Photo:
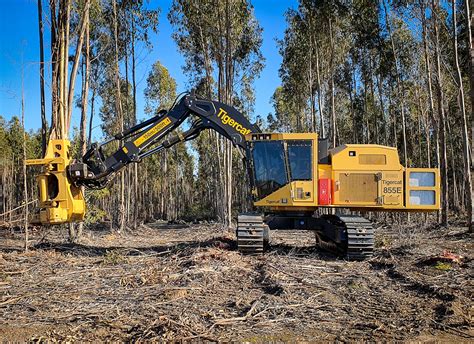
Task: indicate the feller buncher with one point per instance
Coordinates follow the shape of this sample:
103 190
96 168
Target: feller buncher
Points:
292 175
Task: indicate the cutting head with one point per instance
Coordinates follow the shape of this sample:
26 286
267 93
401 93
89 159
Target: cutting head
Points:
59 201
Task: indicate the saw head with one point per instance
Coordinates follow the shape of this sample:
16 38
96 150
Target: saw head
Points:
59 200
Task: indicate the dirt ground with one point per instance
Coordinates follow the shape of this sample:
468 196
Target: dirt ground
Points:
187 283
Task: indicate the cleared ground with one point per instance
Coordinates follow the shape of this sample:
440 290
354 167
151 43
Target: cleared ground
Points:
190 283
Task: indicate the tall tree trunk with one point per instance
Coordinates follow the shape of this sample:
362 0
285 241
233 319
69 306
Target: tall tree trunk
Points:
442 120
63 90
127 172
118 107
312 95
333 103
134 91
91 119
469 27
428 72
320 95
54 68
59 56
465 134
228 99
85 88
75 66
84 102
352 97
400 88
25 180
44 123
469 23
382 108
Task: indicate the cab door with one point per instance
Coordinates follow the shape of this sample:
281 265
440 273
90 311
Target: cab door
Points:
300 170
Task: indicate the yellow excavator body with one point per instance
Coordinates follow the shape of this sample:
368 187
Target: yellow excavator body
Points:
59 201
355 176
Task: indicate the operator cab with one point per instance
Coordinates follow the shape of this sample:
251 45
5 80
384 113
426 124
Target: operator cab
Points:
283 166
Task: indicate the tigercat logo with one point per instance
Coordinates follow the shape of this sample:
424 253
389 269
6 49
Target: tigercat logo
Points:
227 120
152 132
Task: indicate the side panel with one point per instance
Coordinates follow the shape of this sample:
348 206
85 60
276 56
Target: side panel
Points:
356 188
302 191
392 188
325 191
367 176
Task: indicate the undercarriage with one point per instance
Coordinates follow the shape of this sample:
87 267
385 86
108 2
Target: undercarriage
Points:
350 236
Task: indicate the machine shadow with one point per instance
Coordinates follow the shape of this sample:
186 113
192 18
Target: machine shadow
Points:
305 252
182 248
185 248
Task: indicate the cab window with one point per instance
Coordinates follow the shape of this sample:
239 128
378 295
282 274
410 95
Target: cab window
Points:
269 166
299 157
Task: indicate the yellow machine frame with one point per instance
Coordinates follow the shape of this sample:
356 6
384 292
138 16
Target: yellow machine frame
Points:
59 200
363 176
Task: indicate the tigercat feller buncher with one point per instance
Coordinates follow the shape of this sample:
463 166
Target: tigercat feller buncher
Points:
291 175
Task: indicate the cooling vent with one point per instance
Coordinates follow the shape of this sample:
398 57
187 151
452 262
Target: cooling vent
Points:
372 159
358 187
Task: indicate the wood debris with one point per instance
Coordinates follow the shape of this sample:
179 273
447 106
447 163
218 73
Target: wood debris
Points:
190 283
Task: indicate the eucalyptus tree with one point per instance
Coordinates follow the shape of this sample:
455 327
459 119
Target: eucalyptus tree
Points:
171 169
116 28
220 41
160 92
315 44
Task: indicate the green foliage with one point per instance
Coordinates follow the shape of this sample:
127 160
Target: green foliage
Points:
110 124
4 143
443 266
204 42
94 212
114 257
160 92
285 116
11 162
170 173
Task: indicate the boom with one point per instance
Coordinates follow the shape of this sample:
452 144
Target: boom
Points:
95 170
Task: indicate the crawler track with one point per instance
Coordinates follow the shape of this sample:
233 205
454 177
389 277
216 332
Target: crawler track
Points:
358 243
252 234
360 237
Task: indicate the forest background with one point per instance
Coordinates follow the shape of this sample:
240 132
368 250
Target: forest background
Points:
391 72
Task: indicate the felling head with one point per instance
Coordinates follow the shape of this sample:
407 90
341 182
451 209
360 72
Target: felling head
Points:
59 201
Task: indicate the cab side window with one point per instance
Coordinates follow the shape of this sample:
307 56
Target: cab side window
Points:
299 157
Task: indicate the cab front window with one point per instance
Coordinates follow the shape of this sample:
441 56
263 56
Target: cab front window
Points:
269 166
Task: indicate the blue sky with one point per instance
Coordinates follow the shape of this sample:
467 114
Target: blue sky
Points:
19 42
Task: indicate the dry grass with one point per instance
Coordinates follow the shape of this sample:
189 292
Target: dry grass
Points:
163 283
